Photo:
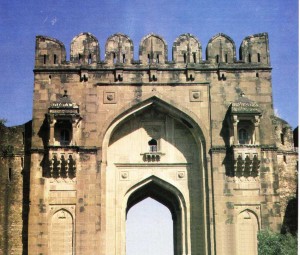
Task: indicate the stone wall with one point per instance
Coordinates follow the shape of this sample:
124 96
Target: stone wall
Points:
198 135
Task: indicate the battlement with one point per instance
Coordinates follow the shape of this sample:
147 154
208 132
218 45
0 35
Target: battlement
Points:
153 51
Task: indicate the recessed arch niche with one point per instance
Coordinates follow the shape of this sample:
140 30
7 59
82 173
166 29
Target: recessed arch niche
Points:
177 178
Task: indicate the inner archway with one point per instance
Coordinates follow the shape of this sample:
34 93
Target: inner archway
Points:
149 229
163 194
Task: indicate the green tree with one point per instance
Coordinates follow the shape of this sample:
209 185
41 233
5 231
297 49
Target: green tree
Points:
270 243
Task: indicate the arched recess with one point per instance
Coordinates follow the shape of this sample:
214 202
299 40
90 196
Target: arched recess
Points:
182 165
168 195
246 233
185 116
62 233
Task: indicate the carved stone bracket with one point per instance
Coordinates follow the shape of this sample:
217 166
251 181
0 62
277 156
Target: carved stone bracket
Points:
84 75
190 75
118 75
152 75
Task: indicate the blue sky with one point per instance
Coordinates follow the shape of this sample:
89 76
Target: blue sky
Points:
21 21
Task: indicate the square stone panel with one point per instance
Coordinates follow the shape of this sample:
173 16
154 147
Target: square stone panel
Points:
109 98
195 96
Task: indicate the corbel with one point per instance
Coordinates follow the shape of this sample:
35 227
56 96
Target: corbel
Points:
84 75
190 74
152 75
118 75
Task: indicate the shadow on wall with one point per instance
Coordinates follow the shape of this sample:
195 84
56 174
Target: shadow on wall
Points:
290 221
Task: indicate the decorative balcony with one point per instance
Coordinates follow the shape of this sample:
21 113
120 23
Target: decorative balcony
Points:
60 163
246 159
63 118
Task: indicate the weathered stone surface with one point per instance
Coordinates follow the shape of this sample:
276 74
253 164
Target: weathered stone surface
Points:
199 136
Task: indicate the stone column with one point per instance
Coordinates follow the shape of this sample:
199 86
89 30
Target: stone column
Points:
235 122
73 138
256 122
51 136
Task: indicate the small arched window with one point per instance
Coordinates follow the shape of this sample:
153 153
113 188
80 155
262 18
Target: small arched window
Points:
282 138
226 58
258 57
54 59
243 136
217 59
249 58
64 137
90 59
184 57
194 57
152 145
114 58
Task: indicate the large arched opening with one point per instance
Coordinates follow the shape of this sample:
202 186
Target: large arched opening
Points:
156 151
169 200
157 236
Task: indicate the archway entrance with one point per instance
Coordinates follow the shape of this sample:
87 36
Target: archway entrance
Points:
156 152
166 197
149 229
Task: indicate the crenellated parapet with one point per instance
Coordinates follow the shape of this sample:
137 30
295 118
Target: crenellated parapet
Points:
255 49
49 52
221 49
153 51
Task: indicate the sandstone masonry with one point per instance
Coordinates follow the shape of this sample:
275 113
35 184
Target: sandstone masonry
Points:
198 136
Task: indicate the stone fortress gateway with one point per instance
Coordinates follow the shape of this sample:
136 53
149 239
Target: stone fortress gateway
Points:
199 136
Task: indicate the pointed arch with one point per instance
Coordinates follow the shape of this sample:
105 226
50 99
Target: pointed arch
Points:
180 113
168 195
62 233
246 233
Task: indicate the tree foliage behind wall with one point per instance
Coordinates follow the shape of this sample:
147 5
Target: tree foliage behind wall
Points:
270 243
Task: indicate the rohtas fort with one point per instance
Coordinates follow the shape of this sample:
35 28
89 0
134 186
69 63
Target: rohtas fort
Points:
196 132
